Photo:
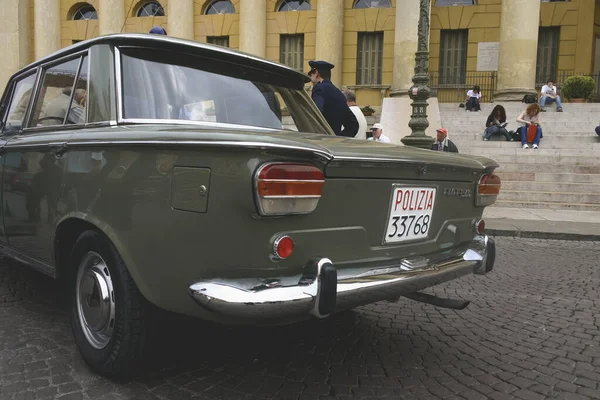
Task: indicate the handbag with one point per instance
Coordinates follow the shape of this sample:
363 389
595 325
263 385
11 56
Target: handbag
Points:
531 132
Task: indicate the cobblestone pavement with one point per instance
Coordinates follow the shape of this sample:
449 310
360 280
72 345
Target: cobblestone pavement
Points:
531 332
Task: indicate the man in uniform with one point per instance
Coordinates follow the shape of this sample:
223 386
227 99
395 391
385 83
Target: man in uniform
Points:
330 100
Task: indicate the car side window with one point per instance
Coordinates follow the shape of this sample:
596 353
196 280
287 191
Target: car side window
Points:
18 104
60 100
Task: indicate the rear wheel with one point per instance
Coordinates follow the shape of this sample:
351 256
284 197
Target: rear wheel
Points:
108 313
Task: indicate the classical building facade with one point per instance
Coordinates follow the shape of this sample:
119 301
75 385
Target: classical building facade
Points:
508 47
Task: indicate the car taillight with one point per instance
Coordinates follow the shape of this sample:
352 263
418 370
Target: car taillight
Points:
288 188
488 189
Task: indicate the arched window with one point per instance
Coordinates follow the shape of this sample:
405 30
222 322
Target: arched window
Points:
294 5
84 12
151 9
220 7
372 4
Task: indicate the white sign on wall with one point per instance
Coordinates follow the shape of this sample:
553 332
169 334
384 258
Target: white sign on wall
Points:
487 56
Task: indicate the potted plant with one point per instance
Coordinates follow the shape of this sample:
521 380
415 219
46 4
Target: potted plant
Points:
578 88
367 111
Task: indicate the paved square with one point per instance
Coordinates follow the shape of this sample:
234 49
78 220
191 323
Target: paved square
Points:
532 331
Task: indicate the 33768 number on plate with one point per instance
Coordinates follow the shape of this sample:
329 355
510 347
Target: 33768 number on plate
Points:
410 214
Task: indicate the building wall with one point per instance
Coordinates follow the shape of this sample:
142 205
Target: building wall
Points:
216 25
76 30
290 22
579 21
368 20
576 21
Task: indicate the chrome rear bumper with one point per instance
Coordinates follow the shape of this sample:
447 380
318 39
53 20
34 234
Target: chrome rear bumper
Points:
312 294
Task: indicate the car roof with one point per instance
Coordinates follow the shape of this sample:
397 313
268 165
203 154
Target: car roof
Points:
162 42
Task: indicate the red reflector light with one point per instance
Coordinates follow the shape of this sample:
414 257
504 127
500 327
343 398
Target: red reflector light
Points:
480 226
283 247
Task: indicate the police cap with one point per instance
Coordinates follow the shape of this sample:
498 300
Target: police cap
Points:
319 65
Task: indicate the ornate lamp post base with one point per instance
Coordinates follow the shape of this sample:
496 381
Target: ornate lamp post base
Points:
419 93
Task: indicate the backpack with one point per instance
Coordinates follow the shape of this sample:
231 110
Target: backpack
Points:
529 99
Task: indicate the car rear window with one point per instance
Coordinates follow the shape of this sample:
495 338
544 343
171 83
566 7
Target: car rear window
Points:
169 87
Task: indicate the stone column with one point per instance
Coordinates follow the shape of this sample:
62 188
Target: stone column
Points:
14 38
253 27
405 46
330 36
46 18
397 109
111 16
519 24
180 19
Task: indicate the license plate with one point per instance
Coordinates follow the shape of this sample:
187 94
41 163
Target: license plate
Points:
410 215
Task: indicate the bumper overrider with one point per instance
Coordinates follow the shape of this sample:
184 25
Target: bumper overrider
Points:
324 289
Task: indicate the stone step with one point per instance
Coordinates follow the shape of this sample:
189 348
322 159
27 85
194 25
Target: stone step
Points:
518 151
513 105
546 205
561 136
550 196
547 126
549 177
514 113
554 187
548 168
531 156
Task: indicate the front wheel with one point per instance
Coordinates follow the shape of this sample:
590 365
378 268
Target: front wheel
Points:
108 313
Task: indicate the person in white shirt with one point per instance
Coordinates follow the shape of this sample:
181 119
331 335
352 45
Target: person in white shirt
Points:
378 135
549 95
473 98
360 117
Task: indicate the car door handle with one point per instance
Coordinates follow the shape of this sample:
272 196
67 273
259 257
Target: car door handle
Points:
58 148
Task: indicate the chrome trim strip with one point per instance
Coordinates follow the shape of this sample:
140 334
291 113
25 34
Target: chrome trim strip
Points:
358 288
87 87
118 65
77 73
294 180
297 196
31 262
61 128
33 100
207 124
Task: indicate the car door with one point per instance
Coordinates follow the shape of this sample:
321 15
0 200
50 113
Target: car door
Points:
14 107
34 159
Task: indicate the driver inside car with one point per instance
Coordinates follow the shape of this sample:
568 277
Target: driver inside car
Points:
56 109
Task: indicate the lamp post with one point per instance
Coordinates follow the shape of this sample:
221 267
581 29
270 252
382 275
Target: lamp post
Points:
419 92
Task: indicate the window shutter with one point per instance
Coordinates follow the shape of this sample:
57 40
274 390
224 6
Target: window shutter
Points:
453 56
291 51
369 58
547 54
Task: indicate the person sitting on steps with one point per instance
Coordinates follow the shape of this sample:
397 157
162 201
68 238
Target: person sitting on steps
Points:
496 124
473 97
548 94
530 117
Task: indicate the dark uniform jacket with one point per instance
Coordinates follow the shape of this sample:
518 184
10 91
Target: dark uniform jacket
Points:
334 108
451 147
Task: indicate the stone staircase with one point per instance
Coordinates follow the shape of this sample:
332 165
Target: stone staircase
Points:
563 174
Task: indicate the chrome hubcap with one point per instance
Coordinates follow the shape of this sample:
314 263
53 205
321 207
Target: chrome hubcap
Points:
95 300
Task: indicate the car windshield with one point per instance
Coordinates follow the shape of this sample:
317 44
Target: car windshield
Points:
175 86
